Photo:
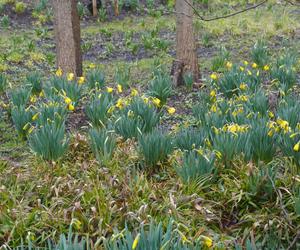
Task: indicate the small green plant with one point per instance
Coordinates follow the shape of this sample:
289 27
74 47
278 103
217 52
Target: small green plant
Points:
152 236
66 242
260 53
49 141
261 145
195 165
219 61
80 9
34 80
288 144
103 145
189 139
258 103
144 112
155 147
40 6
20 96
102 14
261 183
21 118
20 7
98 109
127 126
5 21
150 4
288 110
161 86
137 117
207 40
53 112
3 83
230 82
130 4
227 145
95 79
188 79
286 77
67 88
122 76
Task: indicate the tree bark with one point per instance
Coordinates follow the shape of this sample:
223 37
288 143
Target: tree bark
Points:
116 7
67 36
186 49
95 10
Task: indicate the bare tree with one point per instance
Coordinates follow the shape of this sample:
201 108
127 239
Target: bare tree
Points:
186 49
67 36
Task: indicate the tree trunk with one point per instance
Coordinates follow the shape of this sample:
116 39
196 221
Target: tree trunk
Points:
116 7
67 36
186 50
95 10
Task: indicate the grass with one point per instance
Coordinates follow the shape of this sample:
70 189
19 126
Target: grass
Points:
41 201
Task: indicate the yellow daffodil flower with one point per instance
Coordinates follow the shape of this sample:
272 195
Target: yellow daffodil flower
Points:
229 65
246 63
171 110
242 68
35 116
134 92
293 135
71 107
68 100
254 65
26 126
119 88
111 109
120 103
92 65
213 108
243 98
31 130
59 72
271 115
81 80
207 142
243 86
207 241
135 242
297 147
33 99
156 102
70 77
213 93
214 76
145 99
266 67
109 89
283 124
130 113
271 132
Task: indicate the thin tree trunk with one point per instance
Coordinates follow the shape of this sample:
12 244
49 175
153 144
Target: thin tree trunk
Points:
95 10
67 36
116 7
186 50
